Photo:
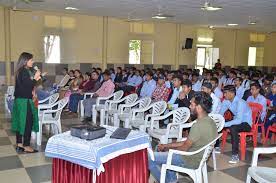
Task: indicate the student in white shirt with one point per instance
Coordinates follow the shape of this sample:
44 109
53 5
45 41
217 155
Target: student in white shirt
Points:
196 83
217 91
231 78
207 88
246 82
239 88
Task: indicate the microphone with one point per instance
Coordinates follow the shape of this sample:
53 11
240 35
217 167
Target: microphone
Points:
35 68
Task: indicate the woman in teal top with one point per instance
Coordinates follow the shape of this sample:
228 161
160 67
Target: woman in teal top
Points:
25 114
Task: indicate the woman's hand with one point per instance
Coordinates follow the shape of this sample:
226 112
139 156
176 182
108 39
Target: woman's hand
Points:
37 75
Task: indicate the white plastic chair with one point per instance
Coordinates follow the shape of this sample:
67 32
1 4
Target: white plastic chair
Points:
85 96
9 95
173 130
113 108
52 117
125 110
258 173
51 99
219 120
64 81
195 174
98 107
141 121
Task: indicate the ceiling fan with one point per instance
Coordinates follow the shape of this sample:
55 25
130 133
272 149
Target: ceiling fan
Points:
14 7
32 1
207 6
161 15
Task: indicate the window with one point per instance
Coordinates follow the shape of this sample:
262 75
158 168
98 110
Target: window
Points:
252 56
134 51
52 48
255 56
207 56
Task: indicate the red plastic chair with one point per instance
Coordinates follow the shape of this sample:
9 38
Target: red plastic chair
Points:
256 114
271 129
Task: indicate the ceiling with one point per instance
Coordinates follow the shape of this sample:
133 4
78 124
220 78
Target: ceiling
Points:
185 11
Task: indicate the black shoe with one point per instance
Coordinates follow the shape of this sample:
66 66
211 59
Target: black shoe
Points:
86 120
19 149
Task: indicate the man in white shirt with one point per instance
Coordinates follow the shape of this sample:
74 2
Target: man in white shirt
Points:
246 82
239 88
196 83
207 88
217 91
148 86
231 78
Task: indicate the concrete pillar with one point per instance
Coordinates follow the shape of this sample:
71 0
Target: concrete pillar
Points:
177 46
7 35
105 40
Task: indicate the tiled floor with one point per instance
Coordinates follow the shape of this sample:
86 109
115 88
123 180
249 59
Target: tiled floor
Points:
36 168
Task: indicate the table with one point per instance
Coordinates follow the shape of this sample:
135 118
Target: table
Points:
101 160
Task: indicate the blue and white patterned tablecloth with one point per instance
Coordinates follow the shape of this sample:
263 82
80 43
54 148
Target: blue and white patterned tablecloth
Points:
92 154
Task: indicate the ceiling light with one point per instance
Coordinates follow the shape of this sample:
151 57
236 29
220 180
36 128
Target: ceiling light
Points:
211 8
252 23
71 8
159 17
205 39
232 24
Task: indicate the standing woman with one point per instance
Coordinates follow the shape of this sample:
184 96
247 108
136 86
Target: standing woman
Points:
25 114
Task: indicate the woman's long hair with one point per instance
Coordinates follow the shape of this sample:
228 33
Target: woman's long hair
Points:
22 61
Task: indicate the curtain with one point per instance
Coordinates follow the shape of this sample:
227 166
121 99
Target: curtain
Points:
127 168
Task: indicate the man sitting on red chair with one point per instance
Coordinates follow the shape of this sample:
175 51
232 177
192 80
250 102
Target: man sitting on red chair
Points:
241 118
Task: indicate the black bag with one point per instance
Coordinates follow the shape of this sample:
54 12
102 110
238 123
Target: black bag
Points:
228 115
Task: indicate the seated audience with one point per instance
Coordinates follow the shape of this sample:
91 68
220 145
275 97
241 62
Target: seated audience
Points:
256 97
196 84
161 92
246 82
201 133
207 88
177 82
90 84
241 118
149 85
239 88
217 91
105 90
230 79
119 76
186 94
271 115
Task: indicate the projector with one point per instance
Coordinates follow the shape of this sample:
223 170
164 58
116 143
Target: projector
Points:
88 132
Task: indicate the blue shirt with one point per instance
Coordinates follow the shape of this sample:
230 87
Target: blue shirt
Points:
197 86
218 93
272 98
134 80
260 99
240 109
148 88
175 95
240 91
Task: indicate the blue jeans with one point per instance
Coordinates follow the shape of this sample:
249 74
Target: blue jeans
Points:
74 101
161 158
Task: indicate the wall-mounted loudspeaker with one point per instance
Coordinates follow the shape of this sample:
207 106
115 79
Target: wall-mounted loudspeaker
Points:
188 44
